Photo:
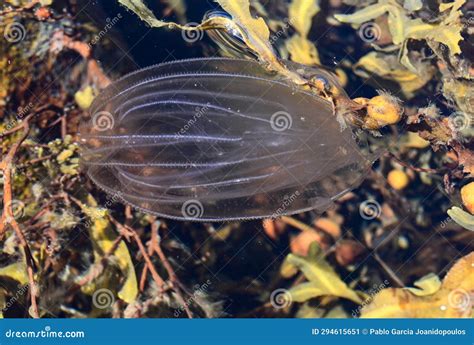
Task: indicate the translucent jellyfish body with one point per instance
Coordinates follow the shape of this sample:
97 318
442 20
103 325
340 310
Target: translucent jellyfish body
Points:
219 139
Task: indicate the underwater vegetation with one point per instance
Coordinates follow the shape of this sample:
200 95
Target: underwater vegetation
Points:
237 158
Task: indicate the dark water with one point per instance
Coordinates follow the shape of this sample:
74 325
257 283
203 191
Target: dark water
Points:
139 46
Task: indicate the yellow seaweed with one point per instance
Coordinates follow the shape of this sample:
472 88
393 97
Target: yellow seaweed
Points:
16 271
84 97
301 13
451 299
300 48
103 238
257 32
254 31
462 218
402 27
323 279
387 67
